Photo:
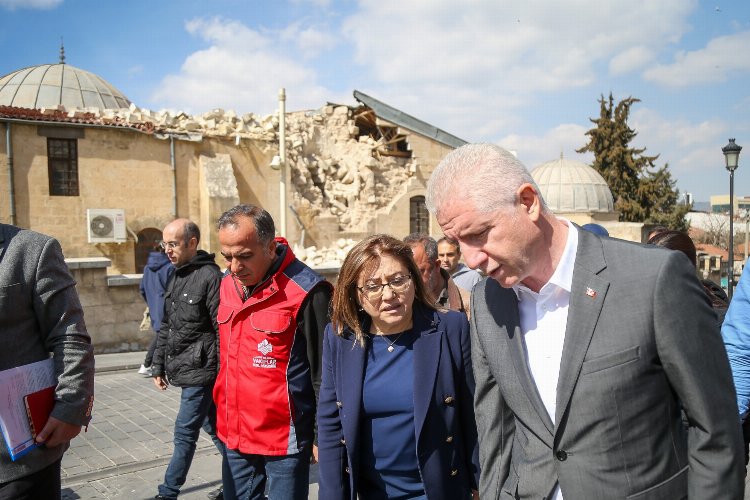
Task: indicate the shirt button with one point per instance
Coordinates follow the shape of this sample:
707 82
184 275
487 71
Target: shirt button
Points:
339 404
454 472
448 400
343 441
561 455
346 469
449 439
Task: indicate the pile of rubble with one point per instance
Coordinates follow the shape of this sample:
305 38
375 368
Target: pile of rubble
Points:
325 257
334 170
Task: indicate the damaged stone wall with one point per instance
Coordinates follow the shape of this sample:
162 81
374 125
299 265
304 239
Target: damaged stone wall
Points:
340 183
336 171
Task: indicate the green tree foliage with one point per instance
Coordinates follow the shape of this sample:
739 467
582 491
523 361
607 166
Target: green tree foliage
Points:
642 192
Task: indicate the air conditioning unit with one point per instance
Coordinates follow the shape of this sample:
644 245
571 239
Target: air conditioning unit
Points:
106 225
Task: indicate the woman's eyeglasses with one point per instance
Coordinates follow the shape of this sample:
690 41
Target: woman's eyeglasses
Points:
373 291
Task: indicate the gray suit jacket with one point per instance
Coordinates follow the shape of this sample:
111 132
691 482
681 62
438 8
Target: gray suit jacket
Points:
641 341
40 314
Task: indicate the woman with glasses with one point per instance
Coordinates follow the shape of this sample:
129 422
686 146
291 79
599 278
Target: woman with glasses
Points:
395 415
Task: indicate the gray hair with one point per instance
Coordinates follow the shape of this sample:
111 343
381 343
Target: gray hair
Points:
428 243
263 221
486 174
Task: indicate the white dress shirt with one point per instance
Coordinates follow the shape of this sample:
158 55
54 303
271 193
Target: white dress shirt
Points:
543 317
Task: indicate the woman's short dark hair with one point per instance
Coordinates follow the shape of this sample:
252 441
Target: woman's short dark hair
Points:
365 257
675 240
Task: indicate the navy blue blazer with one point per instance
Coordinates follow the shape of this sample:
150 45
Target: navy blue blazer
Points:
445 428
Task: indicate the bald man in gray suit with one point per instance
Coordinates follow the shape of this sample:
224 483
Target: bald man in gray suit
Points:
585 351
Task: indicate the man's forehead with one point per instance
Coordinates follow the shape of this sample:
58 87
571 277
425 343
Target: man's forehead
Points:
447 247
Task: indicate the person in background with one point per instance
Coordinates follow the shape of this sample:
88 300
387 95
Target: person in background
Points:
186 351
584 350
271 318
677 240
656 230
736 334
596 229
449 254
156 274
395 416
437 280
40 313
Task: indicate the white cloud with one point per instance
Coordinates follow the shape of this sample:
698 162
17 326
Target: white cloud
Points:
535 150
473 69
135 70
630 59
29 4
316 3
242 69
691 148
721 57
520 47
310 41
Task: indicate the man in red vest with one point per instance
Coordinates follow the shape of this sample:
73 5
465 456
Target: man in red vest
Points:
272 313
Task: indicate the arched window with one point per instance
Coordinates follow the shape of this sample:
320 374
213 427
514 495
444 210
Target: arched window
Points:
148 241
419 217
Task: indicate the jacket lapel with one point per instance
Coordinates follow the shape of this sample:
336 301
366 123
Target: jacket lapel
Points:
427 351
351 377
517 352
2 241
586 299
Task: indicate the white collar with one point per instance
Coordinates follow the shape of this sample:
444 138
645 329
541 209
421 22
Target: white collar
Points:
562 278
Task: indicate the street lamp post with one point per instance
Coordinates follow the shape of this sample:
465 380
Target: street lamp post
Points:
731 155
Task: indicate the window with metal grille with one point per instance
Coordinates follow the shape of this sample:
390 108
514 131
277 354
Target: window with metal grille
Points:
419 217
62 161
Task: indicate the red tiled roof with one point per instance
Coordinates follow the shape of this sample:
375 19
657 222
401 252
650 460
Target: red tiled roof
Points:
712 250
58 116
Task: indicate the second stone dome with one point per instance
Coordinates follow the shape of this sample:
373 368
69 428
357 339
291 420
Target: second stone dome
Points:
570 186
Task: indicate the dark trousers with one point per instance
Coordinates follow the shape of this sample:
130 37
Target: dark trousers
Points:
244 476
746 438
41 485
197 410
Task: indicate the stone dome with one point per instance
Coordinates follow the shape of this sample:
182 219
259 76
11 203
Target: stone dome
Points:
51 85
572 186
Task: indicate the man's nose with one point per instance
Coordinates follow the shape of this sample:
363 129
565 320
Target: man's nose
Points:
474 257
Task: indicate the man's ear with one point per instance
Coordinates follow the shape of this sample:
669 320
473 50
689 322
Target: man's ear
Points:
529 200
272 247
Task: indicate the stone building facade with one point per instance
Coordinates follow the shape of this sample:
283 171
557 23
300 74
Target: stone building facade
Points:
352 171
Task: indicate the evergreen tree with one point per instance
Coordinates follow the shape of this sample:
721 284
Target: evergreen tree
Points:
641 192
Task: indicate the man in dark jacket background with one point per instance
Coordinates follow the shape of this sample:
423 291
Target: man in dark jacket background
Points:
156 274
186 349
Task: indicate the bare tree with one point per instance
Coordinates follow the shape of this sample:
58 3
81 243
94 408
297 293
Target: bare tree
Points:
715 231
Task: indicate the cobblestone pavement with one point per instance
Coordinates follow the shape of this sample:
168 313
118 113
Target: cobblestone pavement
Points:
129 442
127 447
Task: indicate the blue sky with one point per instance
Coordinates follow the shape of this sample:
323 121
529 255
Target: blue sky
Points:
524 74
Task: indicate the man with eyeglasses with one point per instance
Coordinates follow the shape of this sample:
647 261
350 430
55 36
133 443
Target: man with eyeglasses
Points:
438 281
186 351
272 315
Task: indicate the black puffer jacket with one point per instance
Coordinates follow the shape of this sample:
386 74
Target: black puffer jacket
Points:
187 348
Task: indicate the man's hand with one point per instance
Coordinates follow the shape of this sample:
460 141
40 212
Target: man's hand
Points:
56 432
161 383
314 457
